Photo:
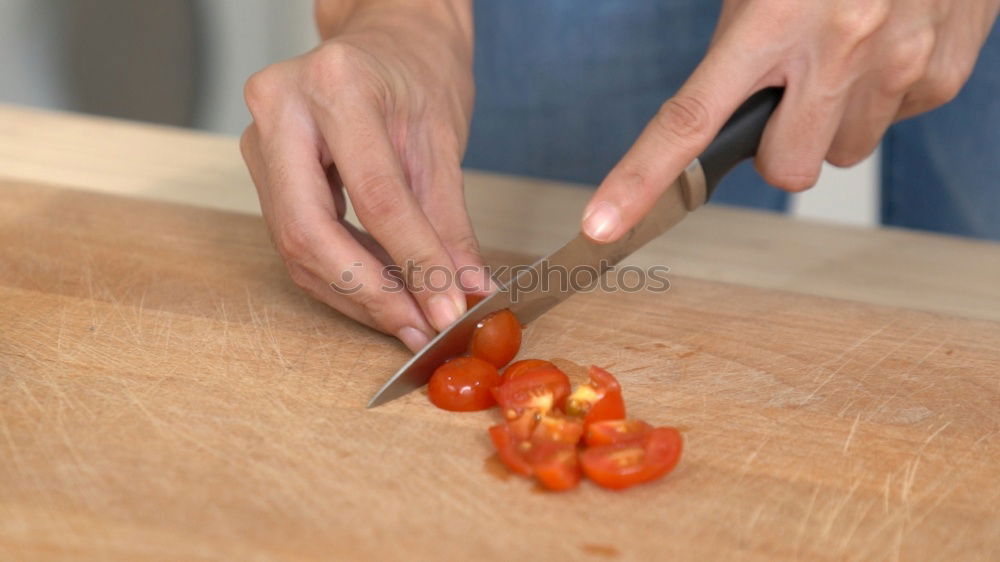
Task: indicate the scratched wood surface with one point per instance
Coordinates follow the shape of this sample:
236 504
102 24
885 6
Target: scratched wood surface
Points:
166 394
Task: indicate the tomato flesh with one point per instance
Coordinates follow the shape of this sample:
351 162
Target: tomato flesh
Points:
548 453
558 428
510 450
540 391
555 465
463 384
518 368
598 400
611 432
497 338
621 465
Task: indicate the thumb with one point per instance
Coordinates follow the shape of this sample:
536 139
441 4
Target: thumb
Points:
681 129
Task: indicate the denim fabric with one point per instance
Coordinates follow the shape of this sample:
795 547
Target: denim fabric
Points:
941 170
564 87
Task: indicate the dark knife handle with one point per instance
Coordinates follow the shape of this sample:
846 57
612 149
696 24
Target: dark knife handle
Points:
739 138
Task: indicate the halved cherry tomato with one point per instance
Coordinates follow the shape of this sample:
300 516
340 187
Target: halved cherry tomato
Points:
622 465
610 432
556 465
496 338
598 400
463 384
539 391
518 368
559 428
510 449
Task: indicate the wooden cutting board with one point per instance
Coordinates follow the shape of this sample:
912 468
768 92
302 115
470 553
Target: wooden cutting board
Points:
167 394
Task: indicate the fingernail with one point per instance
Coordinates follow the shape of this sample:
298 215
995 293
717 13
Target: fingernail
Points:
412 338
602 221
444 310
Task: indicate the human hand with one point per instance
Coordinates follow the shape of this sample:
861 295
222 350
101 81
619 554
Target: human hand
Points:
380 109
850 68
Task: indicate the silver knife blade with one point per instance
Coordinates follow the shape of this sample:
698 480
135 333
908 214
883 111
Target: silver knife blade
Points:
529 297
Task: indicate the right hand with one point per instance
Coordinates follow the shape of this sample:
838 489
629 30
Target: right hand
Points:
381 109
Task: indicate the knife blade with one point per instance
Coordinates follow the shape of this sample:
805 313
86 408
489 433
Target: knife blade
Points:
532 291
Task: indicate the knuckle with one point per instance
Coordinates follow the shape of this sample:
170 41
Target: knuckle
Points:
248 142
683 117
332 66
294 242
466 243
908 60
378 198
373 302
944 88
858 20
788 178
262 88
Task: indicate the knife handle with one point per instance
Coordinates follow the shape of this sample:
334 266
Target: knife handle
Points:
739 138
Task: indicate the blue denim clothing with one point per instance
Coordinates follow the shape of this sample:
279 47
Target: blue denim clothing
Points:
941 170
564 88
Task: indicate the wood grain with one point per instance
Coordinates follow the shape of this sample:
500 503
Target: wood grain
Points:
165 394
881 266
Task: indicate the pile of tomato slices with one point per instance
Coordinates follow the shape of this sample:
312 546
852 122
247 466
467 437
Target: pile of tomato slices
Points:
549 431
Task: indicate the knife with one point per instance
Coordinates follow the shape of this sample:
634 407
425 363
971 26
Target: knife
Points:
738 140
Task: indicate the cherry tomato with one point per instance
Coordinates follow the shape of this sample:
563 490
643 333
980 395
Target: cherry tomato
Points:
550 454
496 338
610 432
621 465
598 400
510 449
518 368
559 428
556 465
538 391
463 384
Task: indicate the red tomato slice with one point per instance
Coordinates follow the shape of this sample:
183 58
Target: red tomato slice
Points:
621 465
541 391
598 400
610 432
556 465
510 450
518 368
559 428
497 338
463 384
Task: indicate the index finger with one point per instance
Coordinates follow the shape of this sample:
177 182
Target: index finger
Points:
681 129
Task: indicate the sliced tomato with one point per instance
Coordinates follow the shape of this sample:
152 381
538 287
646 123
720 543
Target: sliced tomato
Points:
598 400
559 428
463 384
540 391
556 465
518 368
510 449
621 465
610 432
523 427
497 338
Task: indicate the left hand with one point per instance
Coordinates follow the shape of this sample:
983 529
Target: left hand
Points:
850 69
